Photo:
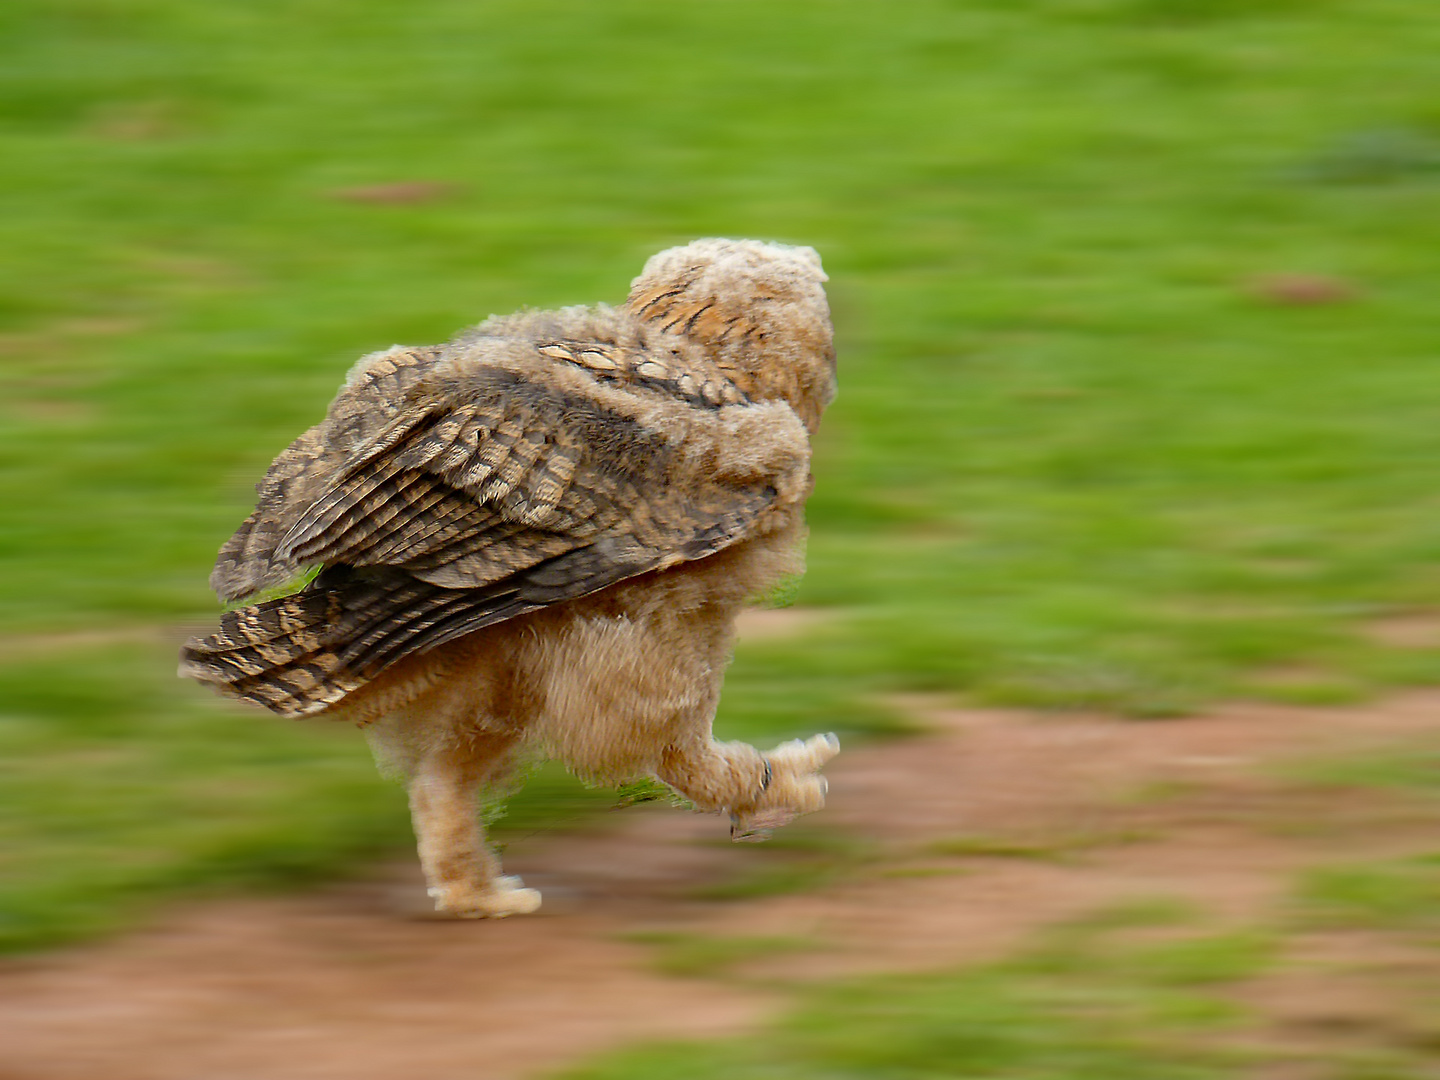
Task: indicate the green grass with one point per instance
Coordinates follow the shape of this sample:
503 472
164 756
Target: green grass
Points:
117 790
708 956
1059 846
1412 767
1085 1007
1143 988
1080 457
113 792
1395 894
798 858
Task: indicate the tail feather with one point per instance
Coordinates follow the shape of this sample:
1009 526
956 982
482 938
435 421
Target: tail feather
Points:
279 654
301 654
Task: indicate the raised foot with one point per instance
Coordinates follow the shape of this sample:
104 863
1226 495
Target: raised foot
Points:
796 787
505 897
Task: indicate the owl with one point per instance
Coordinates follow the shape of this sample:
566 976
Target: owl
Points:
535 540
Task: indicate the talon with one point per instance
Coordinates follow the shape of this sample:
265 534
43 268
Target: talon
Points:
741 834
824 747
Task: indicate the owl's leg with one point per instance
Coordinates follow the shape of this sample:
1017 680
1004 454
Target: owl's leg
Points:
462 872
760 791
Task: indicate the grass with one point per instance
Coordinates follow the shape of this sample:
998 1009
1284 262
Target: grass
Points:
116 791
1060 846
688 955
1140 989
1143 988
1090 450
1082 1007
1411 767
798 858
1395 894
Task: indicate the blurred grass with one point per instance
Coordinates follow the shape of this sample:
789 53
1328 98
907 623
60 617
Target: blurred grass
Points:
1412 766
1082 1006
688 955
1094 446
115 791
1141 989
1394 894
798 858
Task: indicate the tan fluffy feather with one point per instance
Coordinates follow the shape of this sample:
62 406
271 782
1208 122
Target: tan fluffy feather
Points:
539 536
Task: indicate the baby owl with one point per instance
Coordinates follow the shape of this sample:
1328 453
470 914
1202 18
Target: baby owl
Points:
537 539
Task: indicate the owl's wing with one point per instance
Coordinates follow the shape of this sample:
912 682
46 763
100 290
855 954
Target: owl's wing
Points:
373 398
504 491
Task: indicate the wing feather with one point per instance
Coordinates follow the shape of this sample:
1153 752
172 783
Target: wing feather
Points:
483 492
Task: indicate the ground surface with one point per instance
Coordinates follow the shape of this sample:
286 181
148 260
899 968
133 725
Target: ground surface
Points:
1134 304
950 847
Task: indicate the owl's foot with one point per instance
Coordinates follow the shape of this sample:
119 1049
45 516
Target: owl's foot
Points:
506 896
793 787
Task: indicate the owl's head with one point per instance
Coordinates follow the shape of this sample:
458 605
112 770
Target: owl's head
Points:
759 308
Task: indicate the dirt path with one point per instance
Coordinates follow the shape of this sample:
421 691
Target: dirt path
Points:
919 841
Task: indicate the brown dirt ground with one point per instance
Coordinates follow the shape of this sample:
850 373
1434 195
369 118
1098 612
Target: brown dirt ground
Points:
947 847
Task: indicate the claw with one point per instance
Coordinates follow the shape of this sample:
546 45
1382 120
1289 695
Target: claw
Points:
745 834
820 748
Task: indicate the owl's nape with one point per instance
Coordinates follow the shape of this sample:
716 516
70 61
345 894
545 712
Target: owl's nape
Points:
759 309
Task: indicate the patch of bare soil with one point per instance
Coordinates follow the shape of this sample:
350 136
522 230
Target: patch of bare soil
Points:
953 846
1410 630
1345 993
399 193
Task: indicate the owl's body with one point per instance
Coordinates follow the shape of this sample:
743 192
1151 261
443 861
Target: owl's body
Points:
539 536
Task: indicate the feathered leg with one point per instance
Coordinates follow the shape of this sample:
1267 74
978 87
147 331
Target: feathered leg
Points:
462 872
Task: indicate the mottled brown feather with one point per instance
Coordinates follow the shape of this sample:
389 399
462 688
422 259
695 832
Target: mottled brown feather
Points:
536 459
